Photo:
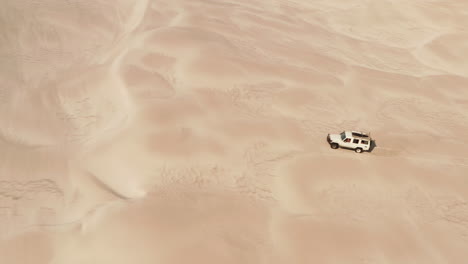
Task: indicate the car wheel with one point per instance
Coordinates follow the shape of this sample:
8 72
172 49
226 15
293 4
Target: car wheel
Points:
334 145
358 150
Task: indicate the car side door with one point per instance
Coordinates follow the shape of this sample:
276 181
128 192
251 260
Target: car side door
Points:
346 143
365 144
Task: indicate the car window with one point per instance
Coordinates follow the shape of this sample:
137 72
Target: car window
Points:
355 141
347 140
365 142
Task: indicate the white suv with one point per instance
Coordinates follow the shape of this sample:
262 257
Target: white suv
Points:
351 140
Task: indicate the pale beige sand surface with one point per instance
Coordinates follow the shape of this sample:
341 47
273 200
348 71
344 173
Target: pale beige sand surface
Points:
194 131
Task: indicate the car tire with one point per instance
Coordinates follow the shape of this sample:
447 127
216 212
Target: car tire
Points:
334 145
358 150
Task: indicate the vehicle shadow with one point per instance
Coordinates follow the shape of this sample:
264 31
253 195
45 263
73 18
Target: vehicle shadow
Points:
372 145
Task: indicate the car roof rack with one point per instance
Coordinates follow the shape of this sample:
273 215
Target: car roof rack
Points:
360 134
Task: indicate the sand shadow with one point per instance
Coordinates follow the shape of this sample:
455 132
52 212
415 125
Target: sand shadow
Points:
373 145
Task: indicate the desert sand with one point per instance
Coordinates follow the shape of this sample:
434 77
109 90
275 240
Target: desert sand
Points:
195 131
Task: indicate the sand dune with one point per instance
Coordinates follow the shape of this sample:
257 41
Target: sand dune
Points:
194 131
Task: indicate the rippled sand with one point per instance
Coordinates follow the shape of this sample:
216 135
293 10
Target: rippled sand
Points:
194 131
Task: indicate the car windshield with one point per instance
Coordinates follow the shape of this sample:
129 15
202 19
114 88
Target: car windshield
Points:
343 136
